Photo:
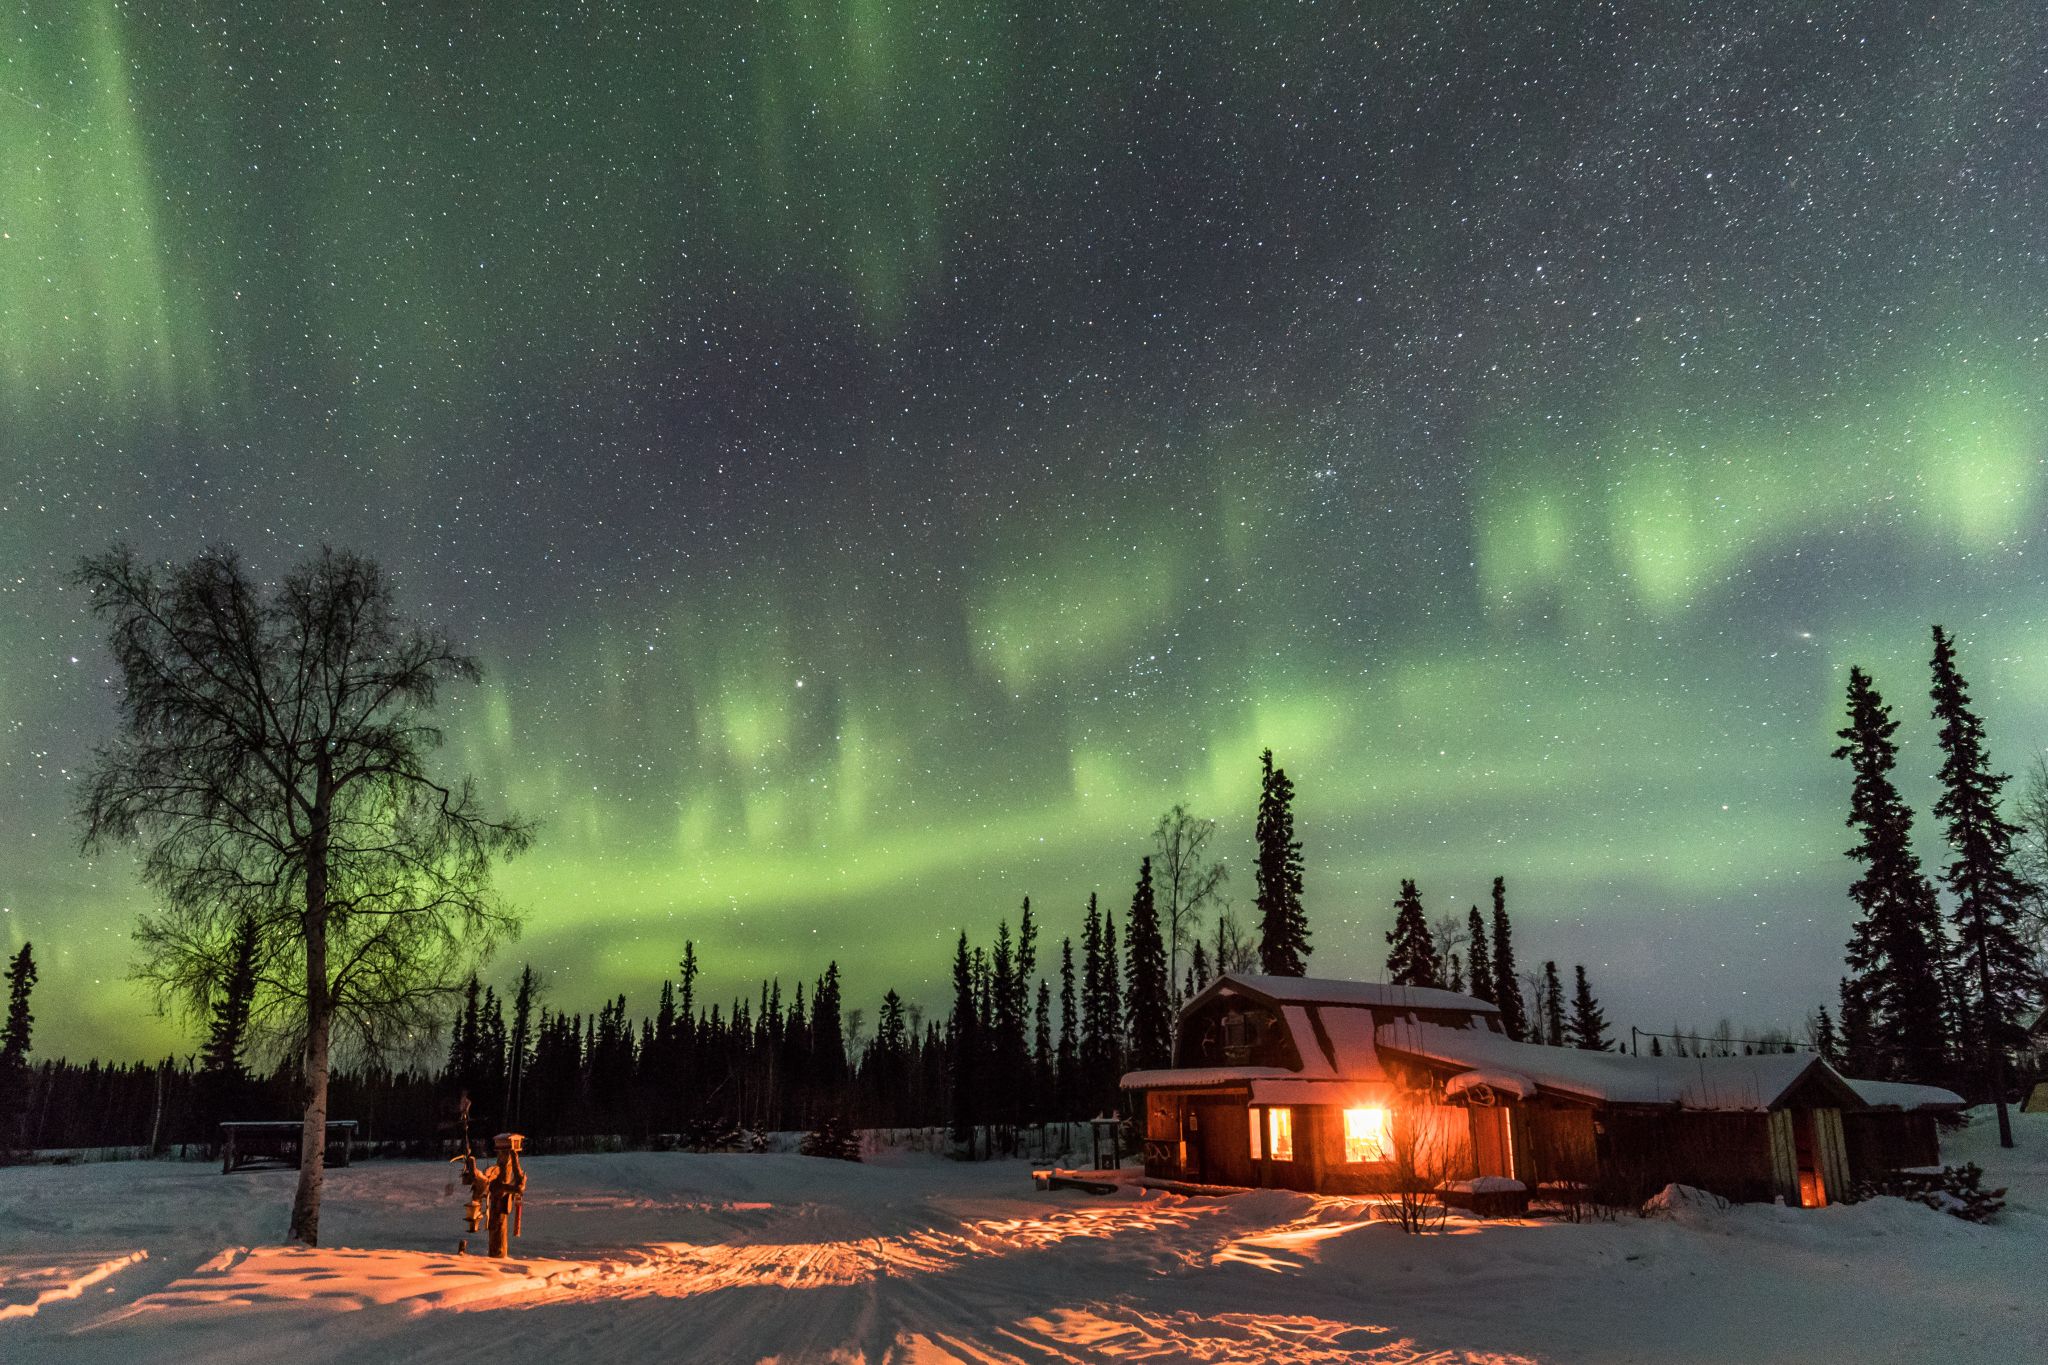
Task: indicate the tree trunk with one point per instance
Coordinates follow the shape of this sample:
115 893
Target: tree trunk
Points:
319 1024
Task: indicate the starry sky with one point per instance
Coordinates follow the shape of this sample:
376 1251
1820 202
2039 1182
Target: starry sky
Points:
885 452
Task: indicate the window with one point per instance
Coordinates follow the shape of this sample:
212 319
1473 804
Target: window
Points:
1367 1135
1280 1133
1277 1135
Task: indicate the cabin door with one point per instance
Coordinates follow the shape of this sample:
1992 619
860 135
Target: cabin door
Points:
1493 1148
1223 1139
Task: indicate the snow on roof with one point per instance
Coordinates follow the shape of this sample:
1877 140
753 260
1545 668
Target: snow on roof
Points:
1506 1082
1314 1064
1899 1095
1309 990
1716 1083
1202 1077
1350 1032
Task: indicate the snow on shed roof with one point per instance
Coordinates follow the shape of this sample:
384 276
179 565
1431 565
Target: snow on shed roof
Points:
1202 1077
1309 990
1714 1083
1899 1095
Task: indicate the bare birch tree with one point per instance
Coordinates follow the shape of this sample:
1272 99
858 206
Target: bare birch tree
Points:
1184 880
271 769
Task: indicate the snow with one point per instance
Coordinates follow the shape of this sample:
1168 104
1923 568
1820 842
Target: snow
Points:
1352 1037
1714 1083
634 1257
1485 1184
1203 1077
1506 1082
1899 1095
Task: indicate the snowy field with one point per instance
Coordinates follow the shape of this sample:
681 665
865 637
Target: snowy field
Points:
648 1257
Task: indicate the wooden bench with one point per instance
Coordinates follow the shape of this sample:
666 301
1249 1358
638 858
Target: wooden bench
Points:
275 1142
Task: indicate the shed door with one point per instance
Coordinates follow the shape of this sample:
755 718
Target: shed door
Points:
1223 1136
1492 1148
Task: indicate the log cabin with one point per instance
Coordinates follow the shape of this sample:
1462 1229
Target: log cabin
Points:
1348 1087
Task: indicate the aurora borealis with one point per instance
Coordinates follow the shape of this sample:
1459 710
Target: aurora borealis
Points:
887 453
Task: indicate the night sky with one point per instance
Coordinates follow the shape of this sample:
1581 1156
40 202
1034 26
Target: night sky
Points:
886 453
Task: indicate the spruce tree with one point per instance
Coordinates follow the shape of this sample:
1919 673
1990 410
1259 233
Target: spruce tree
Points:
1996 974
1198 967
1107 1093
1066 1085
1895 954
223 1080
1147 1004
14 1046
519 1047
1283 925
1413 961
1589 1021
1042 1056
1095 1028
1553 1006
1507 983
964 1044
1859 1052
1479 962
888 1069
1825 1041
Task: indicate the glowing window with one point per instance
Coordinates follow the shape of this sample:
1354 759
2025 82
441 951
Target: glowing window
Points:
1367 1136
1282 1135
1258 1147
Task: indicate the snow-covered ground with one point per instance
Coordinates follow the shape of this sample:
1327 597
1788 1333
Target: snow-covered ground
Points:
738 1258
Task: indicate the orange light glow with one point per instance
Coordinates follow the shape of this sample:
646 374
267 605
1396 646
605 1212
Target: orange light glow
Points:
1368 1135
1282 1135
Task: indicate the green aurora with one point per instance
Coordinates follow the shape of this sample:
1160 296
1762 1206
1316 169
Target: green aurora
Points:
887 453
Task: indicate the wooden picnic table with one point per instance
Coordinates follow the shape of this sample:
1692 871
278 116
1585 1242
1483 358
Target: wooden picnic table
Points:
275 1142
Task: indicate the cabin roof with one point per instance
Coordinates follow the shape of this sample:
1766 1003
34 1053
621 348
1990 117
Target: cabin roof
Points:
1899 1095
1728 1084
1309 990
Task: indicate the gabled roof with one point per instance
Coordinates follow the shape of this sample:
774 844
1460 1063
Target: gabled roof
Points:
1709 1083
1309 990
1900 1095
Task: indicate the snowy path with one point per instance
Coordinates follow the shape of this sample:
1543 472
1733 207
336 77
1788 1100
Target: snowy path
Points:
739 1258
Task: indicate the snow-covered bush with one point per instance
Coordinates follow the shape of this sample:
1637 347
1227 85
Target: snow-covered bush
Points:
1955 1190
835 1138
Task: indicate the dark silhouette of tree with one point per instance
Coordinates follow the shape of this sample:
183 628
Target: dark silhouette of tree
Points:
1042 1082
1187 880
1479 960
272 766
1858 1049
1147 1000
1283 925
1553 1006
1895 953
964 1048
14 1045
1825 1040
888 1067
1198 968
1507 982
1589 1021
519 1048
1996 977
223 1079
1414 960
1067 1084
